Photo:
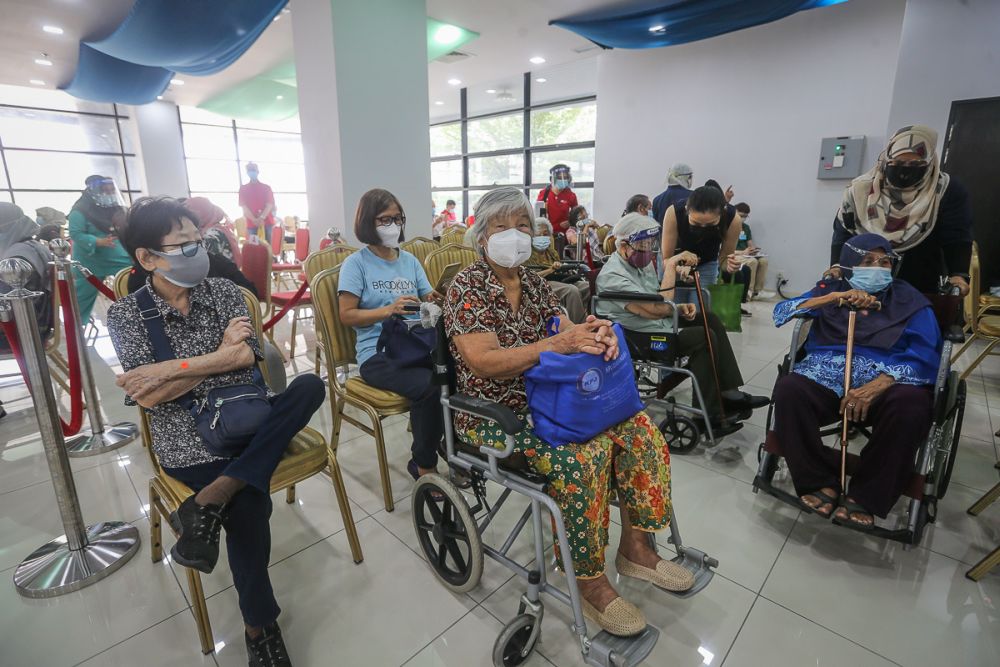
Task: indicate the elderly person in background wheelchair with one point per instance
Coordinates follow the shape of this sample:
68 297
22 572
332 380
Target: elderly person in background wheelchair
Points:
574 294
897 348
495 316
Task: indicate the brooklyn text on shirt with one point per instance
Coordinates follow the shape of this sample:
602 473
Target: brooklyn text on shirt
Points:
399 285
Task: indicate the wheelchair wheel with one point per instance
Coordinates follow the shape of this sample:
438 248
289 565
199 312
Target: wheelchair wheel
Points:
681 433
514 644
951 433
447 533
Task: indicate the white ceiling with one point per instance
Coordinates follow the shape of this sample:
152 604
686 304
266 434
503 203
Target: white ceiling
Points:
511 32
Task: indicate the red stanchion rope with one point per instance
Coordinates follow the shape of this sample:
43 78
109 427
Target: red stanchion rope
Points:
99 284
73 352
288 306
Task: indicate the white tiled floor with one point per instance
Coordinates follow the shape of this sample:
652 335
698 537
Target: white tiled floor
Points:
790 590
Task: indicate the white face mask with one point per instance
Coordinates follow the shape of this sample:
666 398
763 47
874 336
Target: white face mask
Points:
389 235
509 248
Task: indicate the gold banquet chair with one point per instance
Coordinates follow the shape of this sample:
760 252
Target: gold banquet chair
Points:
420 247
980 317
377 404
452 253
327 258
307 455
454 235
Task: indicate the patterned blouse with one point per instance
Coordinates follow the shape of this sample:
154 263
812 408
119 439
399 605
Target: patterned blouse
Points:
476 303
213 303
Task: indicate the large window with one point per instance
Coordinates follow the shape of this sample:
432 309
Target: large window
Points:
514 145
50 142
217 150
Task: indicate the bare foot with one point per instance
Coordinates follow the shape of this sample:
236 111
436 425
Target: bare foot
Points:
598 592
863 519
819 505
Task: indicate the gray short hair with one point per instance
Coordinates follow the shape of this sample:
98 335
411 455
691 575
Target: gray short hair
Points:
499 202
543 225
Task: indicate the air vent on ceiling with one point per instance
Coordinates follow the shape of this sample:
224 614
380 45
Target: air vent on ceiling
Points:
454 57
584 49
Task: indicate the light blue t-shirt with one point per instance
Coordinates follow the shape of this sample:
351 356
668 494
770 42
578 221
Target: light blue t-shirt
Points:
377 283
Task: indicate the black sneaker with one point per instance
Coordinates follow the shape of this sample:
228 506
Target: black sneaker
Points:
268 650
737 400
198 544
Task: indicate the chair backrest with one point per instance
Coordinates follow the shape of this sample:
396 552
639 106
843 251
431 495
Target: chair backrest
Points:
253 305
609 244
339 340
241 228
420 247
277 239
291 223
455 235
453 253
324 242
327 258
970 305
602 232
120 282
257 268
301 244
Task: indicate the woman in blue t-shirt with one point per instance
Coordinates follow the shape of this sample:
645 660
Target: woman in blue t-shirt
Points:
376 283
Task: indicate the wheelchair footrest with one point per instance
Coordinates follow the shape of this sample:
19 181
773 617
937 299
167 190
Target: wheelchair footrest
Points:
607 650
700 565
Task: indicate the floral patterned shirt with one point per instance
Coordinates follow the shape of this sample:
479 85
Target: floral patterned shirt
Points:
476 303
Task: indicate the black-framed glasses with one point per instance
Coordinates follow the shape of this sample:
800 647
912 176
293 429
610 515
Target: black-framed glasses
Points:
188 248
386 220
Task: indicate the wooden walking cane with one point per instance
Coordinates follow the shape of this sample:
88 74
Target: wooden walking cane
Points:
852 318
708 340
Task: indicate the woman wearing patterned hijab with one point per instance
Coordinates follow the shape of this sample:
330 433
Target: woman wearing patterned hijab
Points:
920 209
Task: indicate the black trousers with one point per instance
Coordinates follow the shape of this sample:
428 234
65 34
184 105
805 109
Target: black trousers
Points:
900 419
426 414
248 533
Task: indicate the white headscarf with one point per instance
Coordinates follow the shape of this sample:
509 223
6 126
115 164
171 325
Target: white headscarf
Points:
680 174
904 217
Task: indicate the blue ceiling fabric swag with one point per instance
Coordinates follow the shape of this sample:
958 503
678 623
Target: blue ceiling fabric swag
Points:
135 63
660 23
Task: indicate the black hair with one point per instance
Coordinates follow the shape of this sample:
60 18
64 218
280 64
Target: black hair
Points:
371 206
743 208
574 214
149 220
556 167
712 183
634 202
706 199
450 202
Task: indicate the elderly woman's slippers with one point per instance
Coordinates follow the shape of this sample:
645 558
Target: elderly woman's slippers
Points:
667 574
620 617
824 499
853 508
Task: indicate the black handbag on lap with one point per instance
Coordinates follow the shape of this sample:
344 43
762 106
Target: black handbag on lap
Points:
229 416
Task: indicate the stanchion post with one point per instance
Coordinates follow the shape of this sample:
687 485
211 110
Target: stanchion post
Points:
102 437
83 555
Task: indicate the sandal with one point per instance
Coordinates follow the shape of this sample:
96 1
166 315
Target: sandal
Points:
824 499
852 508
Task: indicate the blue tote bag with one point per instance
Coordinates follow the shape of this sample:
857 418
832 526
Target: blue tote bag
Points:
575 397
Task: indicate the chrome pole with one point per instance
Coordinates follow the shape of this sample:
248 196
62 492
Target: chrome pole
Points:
102 437
83 555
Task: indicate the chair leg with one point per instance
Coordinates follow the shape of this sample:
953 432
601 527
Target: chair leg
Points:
383 463
983 567
988 499
200 609
155 527
965 346
345 506
979 359
290 494
319 352
295 320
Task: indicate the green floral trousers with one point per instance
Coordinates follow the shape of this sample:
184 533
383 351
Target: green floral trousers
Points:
631 458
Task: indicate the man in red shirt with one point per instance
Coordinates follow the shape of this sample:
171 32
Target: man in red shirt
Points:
257 201
558 197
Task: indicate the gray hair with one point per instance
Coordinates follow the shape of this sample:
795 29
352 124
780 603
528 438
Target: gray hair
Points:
542 225
499 202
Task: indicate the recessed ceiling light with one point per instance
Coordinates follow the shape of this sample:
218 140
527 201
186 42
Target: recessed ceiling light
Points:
276 18
43 62
537 60
447 34
37 82
455 82
159 97
279 97
658 28
490 91
541 79
439 103
177 82
52 29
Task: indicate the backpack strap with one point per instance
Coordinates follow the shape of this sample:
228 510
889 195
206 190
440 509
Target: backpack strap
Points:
153 321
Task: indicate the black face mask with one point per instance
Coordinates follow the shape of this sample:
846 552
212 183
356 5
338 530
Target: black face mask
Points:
703 233
905 176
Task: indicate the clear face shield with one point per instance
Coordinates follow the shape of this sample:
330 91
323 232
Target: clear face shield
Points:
870 258
106 193
561 177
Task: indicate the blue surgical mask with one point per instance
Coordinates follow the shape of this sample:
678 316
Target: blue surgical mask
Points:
541 242
252 174
871 279
562 183
650 215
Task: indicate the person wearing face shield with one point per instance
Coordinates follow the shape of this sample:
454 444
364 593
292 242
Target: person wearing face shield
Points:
93 223
897 348
920 209
497 316
631 269
679 180
573 292
205 324
378 282
558 197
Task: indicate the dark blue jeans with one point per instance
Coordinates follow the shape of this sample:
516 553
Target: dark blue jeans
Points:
248 534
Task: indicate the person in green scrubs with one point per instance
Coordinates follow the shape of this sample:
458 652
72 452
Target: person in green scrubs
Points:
92 227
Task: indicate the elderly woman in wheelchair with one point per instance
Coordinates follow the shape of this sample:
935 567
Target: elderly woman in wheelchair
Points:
495 317
896 353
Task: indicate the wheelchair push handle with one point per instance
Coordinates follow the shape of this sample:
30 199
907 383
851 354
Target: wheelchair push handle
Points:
631 296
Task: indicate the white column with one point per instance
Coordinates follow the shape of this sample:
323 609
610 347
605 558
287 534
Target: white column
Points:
161 149
361 68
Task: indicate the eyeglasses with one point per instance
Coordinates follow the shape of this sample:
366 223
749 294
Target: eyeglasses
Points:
908 163
386 220
188 248
883 261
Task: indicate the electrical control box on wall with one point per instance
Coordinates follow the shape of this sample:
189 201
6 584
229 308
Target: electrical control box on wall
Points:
841 157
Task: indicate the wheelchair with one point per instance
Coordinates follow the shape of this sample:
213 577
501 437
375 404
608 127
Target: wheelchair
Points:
933 462
450 532
683 426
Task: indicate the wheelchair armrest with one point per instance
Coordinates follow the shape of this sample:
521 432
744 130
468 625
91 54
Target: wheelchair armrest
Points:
630 296
492 410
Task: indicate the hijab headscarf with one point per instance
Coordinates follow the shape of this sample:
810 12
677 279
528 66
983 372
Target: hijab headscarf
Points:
878 329
211 217
102 217
680 174
903 216
15 226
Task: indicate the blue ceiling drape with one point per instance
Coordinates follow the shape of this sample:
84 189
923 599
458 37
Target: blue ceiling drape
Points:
680 21
196 37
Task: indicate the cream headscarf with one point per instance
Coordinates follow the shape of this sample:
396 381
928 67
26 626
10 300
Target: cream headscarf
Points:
904 217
